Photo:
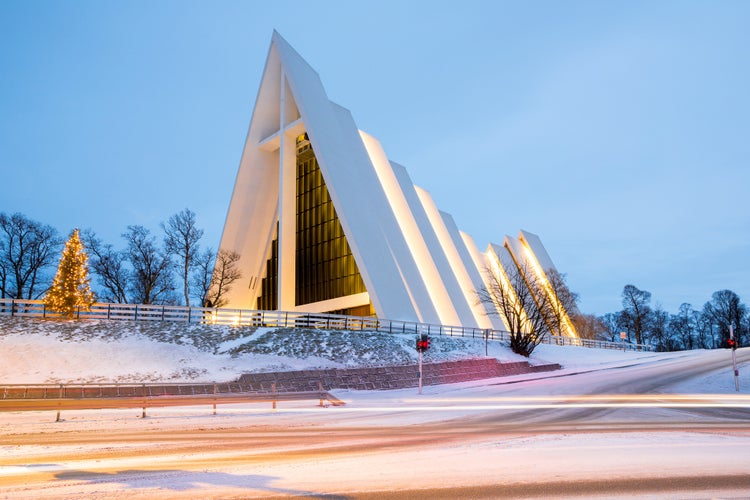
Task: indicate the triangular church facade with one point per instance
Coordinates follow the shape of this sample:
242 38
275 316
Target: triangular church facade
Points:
324 222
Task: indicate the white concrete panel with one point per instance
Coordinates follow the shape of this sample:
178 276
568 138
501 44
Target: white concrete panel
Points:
540 259
539 252
523 259
478 274
456 294
349 301
252 213
526 264
428 271
503 268
465 269
533 242
287 207
448 246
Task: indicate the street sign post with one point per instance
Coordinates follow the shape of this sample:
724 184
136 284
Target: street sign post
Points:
733 345
423 343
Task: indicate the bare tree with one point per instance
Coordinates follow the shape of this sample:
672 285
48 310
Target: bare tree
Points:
27 249
214 276
151 280
683 325
636 310
563 305
512 296
589 326
705 327
181 238
110 267
201 278
725 309
613 323
660 332
4 269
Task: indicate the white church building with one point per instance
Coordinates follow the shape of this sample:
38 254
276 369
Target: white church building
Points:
325 222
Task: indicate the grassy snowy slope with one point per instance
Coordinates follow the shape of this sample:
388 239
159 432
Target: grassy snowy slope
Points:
53 351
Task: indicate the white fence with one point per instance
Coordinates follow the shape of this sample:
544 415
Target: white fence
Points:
280 319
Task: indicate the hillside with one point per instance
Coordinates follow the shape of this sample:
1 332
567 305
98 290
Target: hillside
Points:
90 351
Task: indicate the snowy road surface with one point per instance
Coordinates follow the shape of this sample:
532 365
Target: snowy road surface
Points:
660 426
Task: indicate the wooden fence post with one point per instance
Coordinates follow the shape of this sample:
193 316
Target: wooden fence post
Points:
59 404
143 415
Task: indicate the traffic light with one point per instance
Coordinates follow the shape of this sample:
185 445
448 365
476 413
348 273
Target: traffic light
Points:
732 343
423 342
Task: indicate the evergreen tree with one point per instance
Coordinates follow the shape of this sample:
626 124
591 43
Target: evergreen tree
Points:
70 289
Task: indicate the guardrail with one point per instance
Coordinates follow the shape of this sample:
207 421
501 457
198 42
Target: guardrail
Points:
278 319
45 397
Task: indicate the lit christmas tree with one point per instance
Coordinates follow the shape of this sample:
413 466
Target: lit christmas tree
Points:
71 289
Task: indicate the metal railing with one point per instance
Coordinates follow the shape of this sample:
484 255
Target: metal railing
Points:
279 319
240 317
599 344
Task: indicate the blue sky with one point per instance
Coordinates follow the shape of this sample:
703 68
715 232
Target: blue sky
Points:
617 131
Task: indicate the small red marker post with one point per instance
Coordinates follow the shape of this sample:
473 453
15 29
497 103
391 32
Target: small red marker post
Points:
420 372
733 345
423 343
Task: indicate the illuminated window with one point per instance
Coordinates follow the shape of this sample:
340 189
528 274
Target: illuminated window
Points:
325 266
268 299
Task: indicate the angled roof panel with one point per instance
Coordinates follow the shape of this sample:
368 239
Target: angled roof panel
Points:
446 282
478 274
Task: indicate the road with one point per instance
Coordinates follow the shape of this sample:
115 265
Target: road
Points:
613 433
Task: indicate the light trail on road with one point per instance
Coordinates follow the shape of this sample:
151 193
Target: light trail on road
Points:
605 401
586 434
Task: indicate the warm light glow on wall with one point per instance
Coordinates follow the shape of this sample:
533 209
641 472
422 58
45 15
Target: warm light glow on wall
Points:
414 240
480 264
544 280
454 259
497 269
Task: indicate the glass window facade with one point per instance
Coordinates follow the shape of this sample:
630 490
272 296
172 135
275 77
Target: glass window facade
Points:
268 299
325 265
366 310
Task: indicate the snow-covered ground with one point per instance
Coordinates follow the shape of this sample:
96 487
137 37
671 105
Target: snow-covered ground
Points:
36 351
38 461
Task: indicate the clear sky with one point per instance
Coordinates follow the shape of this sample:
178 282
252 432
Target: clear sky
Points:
618 131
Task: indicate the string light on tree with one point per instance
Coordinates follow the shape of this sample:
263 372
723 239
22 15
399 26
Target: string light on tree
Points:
71 288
